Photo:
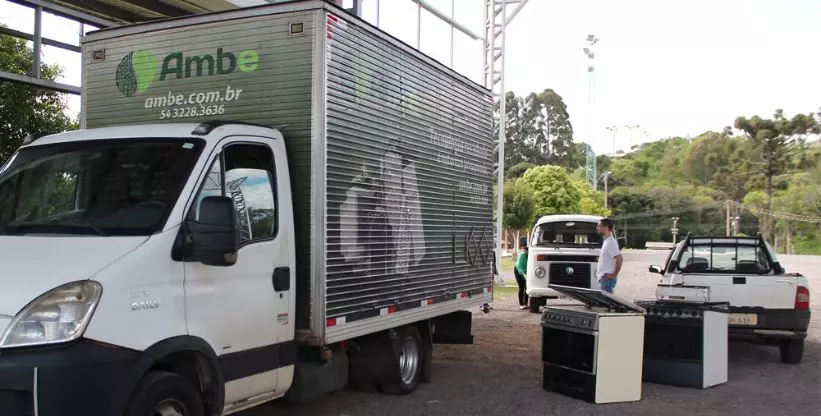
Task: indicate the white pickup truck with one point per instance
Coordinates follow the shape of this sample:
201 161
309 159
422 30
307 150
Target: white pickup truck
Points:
766 302
564 250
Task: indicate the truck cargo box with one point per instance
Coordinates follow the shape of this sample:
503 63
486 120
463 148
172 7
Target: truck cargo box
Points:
390 152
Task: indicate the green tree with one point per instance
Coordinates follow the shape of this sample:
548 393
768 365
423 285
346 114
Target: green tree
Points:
553 190
591 202
516 171
553 140
538 130
775 141
519 207
24 109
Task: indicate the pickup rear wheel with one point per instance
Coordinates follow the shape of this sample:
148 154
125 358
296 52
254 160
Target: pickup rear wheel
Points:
792 351
165 394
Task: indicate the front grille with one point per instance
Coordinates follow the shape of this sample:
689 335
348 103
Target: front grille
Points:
558 274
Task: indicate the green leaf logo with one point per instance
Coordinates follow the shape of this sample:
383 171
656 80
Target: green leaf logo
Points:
136 72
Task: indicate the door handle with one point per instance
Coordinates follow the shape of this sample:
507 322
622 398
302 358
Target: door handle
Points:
739 280
282 279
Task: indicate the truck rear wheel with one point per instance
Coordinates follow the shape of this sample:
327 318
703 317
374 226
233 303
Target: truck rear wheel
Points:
165 394
409 360
792 351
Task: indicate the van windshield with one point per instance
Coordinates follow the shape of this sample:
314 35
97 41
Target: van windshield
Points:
100 187
567 234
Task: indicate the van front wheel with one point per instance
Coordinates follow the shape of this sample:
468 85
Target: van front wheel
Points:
536 304
165 394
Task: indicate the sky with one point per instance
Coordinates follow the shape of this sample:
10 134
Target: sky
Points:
666 68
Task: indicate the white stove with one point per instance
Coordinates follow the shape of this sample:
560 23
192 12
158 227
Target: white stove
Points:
593 351
685 343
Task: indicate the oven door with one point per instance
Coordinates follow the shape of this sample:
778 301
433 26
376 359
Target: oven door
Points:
570 348
674 339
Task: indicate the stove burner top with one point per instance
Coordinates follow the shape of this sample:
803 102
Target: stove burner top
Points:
681 310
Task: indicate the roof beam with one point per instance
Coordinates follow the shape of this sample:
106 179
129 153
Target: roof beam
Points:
68 12
41 83
45 41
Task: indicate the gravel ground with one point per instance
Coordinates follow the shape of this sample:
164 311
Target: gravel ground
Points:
501 373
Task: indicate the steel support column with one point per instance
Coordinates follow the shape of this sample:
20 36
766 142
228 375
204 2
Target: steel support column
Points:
496 21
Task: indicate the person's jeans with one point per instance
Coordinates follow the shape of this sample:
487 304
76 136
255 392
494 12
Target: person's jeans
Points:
608 285
522 282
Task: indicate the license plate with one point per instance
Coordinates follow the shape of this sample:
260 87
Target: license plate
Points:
743 319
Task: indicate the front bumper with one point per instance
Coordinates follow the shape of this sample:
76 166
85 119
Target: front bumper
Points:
539 292
84 378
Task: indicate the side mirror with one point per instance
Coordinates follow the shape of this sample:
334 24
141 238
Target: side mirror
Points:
214 239
656 269
622 242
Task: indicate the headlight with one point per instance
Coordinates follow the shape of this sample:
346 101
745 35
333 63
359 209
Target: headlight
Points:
60 315
540 272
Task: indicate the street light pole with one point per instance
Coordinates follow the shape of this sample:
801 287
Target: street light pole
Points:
604 176
675 229
591 56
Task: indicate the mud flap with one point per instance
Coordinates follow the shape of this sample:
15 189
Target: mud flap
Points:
453 328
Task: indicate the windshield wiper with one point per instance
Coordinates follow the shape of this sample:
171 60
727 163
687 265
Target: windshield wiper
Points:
25 228
99 231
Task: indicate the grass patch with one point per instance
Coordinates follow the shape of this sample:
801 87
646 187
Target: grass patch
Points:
508 263
501 292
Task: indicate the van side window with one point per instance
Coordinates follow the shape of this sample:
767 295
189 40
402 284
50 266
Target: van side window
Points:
250 180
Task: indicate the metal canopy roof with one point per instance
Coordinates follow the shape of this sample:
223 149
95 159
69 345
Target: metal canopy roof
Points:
136 11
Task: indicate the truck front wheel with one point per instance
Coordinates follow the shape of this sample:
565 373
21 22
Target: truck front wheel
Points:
409 361
165 394
792 351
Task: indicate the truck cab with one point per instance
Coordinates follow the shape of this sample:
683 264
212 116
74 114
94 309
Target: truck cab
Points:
563 250
124 237
766 302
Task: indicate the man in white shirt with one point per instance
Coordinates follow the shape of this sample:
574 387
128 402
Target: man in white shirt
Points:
610 257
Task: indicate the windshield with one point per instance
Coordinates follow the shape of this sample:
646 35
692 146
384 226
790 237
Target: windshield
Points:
724 258
100 187
567 234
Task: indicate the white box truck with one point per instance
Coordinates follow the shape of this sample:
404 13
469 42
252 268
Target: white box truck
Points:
169 260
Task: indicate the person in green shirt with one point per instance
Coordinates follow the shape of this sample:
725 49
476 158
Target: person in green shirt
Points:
520 272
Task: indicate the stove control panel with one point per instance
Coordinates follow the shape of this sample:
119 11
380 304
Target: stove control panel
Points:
682 312
572 320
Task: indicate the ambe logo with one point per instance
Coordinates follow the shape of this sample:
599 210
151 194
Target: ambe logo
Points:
137 71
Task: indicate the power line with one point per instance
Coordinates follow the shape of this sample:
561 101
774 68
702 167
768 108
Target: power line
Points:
784 215
668 211
696 207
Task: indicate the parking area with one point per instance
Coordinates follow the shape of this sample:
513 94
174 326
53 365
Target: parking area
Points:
501 373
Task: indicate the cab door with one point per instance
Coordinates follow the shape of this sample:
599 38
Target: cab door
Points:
243 310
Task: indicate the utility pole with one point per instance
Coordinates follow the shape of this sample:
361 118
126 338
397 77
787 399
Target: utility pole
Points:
675 229
728 218
606 174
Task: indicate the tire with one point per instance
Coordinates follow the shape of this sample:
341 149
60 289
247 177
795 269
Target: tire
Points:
162 391
535 303
792 351
410 358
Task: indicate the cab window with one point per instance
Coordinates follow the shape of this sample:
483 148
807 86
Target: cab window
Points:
245 173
